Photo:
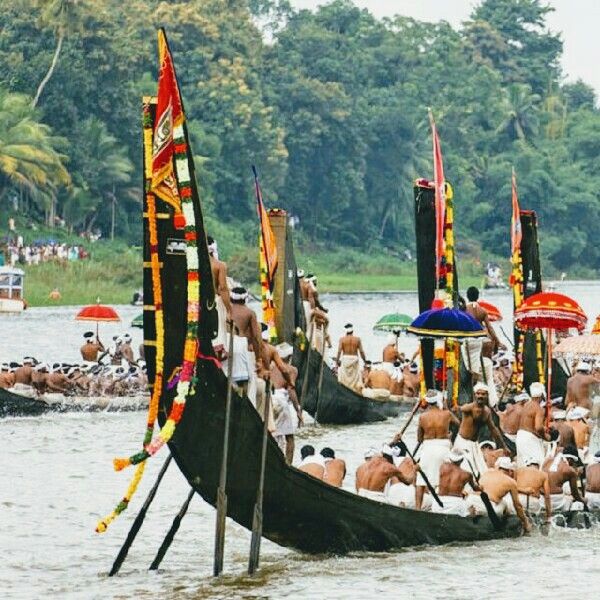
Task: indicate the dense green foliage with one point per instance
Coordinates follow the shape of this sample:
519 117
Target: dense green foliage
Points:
330 105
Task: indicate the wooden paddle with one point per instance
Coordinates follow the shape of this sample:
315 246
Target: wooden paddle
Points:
427 482
257 519
494 518
305 380
320 374
221 491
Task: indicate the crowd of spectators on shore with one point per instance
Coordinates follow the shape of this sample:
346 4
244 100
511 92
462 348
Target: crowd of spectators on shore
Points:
17 253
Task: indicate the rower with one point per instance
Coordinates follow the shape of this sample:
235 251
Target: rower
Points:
397 382
531 483
366 370
7 377
56 381
511 416
38 377
411 381
451 487
335 468
491 452
390 353
311 463
23 372
499 484
375 474
402 494
578 386
592 483
561 469
581 429
433 434
91 347
218 269
475 416
347 359
126 349
378 384
531 433
565 431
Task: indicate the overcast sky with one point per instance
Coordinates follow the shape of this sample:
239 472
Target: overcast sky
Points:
578 20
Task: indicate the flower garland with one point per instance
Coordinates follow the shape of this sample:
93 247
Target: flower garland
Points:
268 308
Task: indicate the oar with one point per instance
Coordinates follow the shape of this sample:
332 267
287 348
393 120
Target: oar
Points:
139 520
305 380
221 491
399 435
427 482
506 336
257 519
171 534
494 518
324 331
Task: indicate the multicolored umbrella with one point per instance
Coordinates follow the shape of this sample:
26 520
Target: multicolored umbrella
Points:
446 323
98 313
580 346
596 328
393 322
549 310
138 321
493 312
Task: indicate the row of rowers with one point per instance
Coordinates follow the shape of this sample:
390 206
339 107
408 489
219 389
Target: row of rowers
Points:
460 470
84 379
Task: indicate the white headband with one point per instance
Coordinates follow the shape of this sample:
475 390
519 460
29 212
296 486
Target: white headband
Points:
212 248
481 387
236 296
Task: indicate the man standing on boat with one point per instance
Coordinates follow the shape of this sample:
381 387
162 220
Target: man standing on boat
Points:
304 286
563 469
91 347
511 417
531 434
347 359
390 353
475 416
579 386
222 299
433 434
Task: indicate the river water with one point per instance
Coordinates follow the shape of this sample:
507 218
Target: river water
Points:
57 480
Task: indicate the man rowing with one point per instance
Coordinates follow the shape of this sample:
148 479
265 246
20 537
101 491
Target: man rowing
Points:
433 435
24 371
411 386
511 416
581 429
451 486
375 474
7 377
566 435
347 359
592 483
531 484
579 386
218 269
390 353
91 347
400 493
498 483
561 469
531 433
335 468
491 453
377 385
475 416
311 463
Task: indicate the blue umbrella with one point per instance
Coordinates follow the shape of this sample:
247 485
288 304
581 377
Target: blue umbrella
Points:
446 323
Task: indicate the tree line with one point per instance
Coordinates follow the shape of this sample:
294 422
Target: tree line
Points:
331 106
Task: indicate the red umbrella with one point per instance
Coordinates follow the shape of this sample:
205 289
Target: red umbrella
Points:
493 312
97 312
551 311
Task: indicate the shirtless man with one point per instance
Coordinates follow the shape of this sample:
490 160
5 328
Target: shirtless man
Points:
578 386
219 275
57 382
397 382
474 416
374 474
451 488
581 429
561 469
566 435
390 352
311 463
498 483
531 483
335 468
320 322
7 377
377 385
38 377
23 373
480 315
433 433
592 483
366 370
411 381
91 347
127 350
312 294
491 453
304 286
349 349
532 433
511 416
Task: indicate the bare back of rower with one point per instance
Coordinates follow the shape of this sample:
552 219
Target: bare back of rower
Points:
219 275
378 380
23 374
315 470
434 424
592 478
453 480
375 473
390 353
351 345
566 433
304 285
532 418
532 482
247 326
335 471
581 431
579 390
510 418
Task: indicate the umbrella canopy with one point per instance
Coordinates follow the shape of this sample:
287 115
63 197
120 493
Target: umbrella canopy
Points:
549 310
596 328
138 321
493 312
580 346
445 323
393 322
97 312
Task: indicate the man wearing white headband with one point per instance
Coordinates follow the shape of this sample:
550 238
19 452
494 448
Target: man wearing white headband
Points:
581 429
475 416
532 483
304 294
91 347
433 433
592 482
222 301
7 377
511 416
532 428
452 481
126 349
412 385
580 385
23 373
390 353
562 470
347 359
319 327
377 384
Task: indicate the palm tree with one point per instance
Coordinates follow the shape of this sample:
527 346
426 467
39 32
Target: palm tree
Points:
30 160
522 108
63 17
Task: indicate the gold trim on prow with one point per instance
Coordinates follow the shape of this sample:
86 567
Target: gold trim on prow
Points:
161 215
149 342
148 265
149 307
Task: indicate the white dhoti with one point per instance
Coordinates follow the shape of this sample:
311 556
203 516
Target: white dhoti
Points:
453 505
400 494
252 377
318 343
388 367
377 496
475 504
561 502
286 419
593 499
511 436
240 372
376 393
471 355
261 396
531 504
221 339
307 314
488 367
349 372
529 446
431 457
473 455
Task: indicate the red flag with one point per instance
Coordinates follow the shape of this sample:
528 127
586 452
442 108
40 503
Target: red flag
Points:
515 232
267 235
440 197
169 118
